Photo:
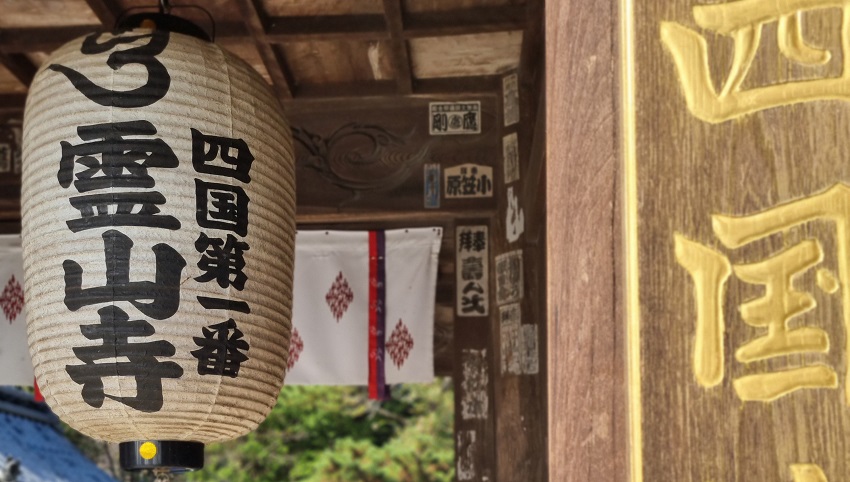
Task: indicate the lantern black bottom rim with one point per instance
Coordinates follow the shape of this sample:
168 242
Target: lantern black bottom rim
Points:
174 456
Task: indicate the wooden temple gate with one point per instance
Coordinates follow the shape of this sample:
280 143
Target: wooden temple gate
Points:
664 298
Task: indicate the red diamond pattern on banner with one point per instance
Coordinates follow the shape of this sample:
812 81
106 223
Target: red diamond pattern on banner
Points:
339 296
12 299
400 344
296 346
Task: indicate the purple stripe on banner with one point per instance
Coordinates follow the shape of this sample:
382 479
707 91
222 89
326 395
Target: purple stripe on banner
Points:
383 390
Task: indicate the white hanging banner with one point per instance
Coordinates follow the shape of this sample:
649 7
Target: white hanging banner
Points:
14 350
334 299
412 261
330 309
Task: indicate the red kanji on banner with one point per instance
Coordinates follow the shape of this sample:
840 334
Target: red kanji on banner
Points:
12 299
296 346
400 344
339 296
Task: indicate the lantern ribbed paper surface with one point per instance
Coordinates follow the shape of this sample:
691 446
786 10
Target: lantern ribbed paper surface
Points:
158 233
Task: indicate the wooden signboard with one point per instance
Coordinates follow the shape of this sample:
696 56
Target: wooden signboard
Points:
737 256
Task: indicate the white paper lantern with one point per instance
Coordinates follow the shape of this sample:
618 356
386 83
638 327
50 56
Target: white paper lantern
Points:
158 232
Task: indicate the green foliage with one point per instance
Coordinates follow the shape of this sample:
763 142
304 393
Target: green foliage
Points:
336 434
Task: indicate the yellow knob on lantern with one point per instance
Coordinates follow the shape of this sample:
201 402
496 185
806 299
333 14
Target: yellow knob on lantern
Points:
147 450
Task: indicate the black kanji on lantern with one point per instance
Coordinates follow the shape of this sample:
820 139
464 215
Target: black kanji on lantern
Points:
154 89
221 156
221 206
222 260
130 209
157 299
124 162
115 329
221 350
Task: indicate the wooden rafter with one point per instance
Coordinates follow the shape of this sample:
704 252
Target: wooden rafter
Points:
398 46
327 27
273 59
465 22
106 12
41 39
20 66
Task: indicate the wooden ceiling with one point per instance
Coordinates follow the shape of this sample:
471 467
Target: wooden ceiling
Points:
307 49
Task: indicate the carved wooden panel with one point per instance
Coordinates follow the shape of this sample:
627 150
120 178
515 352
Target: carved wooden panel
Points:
737 264
353 156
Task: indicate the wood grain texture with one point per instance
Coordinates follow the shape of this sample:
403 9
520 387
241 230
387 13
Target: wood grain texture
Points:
338 61
294 8
476 54
586 390
449 5
689 170
39 13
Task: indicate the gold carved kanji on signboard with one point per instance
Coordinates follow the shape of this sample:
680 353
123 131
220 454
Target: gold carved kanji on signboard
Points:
743 21
780 303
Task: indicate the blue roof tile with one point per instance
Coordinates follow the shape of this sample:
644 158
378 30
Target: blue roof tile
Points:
45 455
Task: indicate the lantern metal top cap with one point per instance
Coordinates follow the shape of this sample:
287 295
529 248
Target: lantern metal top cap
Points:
164 20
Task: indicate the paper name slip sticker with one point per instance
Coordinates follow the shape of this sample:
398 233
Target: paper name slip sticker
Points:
472 268
432 186
468 181
447 118
474 401
510 99
737 292
510 156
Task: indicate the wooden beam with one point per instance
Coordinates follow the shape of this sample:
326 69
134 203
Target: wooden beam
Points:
483 84
413 25
326 27
256 22
12 102
41 39
414 218
348 89
465 22
398 46
106 11
20 66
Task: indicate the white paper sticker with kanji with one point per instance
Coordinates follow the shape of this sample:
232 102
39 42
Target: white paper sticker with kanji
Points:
510 99
514 218
510 156
14 350
446 118
509 287
472 268
468 181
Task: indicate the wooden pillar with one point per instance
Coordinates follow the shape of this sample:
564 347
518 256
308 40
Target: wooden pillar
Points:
587 409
